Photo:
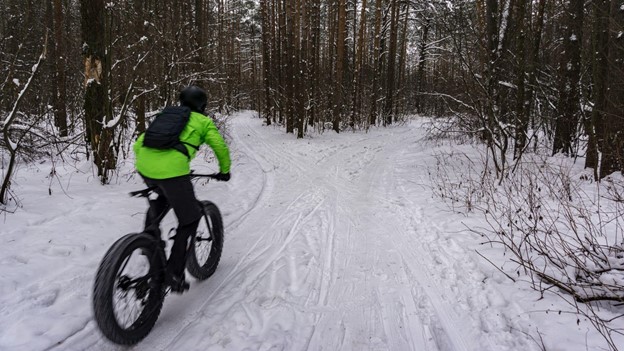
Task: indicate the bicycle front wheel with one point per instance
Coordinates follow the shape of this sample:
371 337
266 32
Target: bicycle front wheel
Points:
129 289
207 244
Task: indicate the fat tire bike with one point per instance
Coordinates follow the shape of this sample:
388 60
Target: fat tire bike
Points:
130 289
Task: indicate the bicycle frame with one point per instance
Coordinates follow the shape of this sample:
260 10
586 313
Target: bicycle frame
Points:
154 227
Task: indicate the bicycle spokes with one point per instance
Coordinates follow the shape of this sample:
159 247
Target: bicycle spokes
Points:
203 240
132 289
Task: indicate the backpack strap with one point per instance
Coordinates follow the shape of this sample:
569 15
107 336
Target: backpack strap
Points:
180 147
189 144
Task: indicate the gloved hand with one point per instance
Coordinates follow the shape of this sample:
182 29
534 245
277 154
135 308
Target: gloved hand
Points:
223 177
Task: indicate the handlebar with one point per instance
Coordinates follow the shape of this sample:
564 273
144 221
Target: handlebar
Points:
148 191
211 176
142 193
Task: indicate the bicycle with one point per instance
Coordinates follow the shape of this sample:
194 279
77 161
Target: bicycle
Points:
144 282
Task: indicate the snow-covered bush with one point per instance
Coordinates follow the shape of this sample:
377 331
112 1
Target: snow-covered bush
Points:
563 231
451 184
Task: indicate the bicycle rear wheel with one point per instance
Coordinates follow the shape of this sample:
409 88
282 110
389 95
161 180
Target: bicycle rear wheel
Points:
129 289
207 244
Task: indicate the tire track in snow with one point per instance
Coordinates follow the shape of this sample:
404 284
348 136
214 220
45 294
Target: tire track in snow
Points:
327 272
455 270
449 334
374 176
351 189
264 153
251 272
250 275
348 296
268 254
269 153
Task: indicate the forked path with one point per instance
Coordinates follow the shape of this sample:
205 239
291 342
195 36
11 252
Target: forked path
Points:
337 252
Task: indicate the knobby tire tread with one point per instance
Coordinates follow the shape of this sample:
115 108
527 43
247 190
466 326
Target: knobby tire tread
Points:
205 270
105 284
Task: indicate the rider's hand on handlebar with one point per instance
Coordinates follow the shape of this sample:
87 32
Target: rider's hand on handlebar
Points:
224 177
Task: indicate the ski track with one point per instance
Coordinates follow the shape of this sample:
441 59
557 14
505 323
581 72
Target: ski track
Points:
333 253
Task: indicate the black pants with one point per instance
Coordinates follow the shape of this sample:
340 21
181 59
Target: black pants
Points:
178 194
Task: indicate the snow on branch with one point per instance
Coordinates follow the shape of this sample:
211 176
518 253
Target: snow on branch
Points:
447 96
13 114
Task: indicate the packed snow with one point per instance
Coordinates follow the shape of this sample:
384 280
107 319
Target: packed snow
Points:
333 242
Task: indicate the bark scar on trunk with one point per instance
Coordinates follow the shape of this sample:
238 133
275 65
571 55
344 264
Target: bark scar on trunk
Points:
93 70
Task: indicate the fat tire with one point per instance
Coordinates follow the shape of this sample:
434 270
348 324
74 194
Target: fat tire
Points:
104 286
202 271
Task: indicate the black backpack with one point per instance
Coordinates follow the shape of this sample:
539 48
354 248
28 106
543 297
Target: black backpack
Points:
164 132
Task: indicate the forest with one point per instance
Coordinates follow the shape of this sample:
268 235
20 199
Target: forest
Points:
514 109
89 74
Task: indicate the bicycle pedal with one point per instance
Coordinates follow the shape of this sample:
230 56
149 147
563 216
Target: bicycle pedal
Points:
184 286
181 288
178 285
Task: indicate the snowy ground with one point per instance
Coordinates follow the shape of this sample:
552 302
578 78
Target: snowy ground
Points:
332 243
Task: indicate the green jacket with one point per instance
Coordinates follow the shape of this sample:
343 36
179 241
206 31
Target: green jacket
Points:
170 163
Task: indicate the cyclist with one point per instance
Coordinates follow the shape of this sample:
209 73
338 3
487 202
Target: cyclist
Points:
168 170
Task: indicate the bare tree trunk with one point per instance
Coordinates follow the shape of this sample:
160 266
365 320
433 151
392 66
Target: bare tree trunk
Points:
200 39
422 61
315 59
140 103
140 114
390 72
377 63
60 62
570 72
340 61
276 62
595 128
489 125
266 60
283 70
301 40
359 63
329 65
522 116
398 105
612 149
96 85
289 64
525 120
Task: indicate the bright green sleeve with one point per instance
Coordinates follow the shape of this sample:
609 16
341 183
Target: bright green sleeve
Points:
218 145
137 144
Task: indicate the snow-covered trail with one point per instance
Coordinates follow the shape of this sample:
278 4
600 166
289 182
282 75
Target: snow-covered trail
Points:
331 244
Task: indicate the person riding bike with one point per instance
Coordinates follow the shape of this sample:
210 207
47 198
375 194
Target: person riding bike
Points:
168 169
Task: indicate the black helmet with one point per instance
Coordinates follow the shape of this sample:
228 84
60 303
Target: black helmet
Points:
194 98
